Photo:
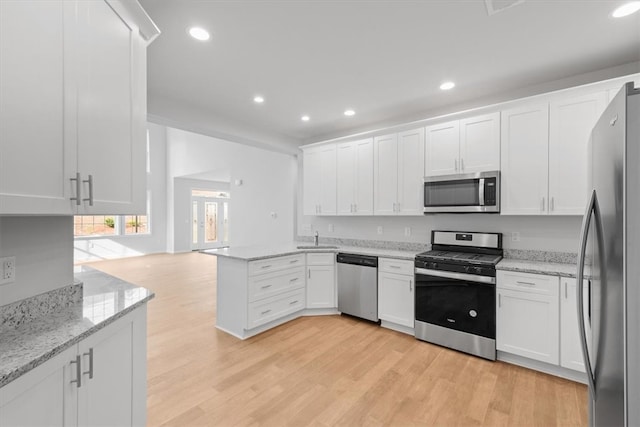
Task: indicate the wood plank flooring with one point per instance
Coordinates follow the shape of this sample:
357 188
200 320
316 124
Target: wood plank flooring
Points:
321 371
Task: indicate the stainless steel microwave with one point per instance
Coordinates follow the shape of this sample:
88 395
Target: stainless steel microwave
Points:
471 192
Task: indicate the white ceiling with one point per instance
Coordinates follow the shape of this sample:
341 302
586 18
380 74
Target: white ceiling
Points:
384 59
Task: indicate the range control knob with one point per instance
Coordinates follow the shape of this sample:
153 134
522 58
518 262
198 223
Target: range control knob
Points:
467 268
433 265
477 269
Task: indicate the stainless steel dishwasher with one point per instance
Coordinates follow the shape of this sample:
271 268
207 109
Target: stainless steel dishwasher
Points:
358 285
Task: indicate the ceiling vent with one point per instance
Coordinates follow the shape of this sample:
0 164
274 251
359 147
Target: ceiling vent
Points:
495 6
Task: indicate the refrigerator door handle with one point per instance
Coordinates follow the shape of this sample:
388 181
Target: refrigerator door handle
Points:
592 209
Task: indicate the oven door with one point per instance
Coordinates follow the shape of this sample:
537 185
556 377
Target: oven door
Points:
456 301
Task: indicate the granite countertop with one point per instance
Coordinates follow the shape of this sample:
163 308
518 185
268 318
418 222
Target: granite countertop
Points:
253 253
104 299
541 267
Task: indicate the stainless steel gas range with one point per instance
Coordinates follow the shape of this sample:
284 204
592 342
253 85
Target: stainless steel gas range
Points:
455 295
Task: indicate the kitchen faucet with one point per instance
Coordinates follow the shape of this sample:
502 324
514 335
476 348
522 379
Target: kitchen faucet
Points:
315 239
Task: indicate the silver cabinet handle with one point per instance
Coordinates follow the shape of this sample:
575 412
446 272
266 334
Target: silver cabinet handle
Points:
525 283
410 285
462 164
78 181
394 266
543 204
394 206
78 379
265 287
319 209
265 312
499 300
293 261
293 302
309 271
266 266
566 292
90 371
295 279
553 205
90 182
455 163
355 207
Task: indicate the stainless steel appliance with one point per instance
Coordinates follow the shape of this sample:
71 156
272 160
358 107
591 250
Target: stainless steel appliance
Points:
455 296
610 237
473 192
358 285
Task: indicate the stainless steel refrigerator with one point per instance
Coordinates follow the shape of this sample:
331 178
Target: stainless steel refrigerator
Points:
610 242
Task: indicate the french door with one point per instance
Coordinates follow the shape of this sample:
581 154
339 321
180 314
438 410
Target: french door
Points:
209 222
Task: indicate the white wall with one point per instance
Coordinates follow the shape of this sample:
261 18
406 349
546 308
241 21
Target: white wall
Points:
91 249
267 190
43 247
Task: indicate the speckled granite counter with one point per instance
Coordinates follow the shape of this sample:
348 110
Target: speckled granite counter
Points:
253 253
104 300
537 267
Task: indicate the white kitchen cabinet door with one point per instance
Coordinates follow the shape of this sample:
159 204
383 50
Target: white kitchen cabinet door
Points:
355 178
385 174
524 160
527 324
570 342
111 110
410 172
613 91
312 168
480 143
105 398
321 286
442 151
570 124
37 140
396 298
328 180
44 396
346 178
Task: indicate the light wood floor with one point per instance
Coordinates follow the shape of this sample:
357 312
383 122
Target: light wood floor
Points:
320 371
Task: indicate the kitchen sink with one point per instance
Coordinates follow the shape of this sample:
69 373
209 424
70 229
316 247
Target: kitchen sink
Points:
317 247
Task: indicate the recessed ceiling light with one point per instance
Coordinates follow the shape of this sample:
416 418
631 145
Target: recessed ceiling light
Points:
199 33
626 9
304 118
349 113
258 99
447 85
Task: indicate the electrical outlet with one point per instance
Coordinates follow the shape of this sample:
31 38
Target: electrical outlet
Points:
407 231
515 236
379 229
7 270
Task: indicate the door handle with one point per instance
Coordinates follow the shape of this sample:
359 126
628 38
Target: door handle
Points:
78 380
90 371
593 209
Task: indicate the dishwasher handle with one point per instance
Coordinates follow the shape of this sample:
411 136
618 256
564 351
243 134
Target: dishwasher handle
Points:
363 260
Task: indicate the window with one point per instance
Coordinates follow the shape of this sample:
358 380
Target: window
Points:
96 225
136 224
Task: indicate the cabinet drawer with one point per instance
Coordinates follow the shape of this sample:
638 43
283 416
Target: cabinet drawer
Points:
274 264
321 259
269 309
270 284
396 266
527 282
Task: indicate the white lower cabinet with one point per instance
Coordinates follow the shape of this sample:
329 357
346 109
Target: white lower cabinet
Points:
99 381
527 315
321 283
396 288
570 345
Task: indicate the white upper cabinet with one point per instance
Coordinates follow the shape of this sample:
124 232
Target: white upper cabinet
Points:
442 151
570 123
480 143
397 173
355 177
463 146
385 174
524 163
37 143
319 180
81 124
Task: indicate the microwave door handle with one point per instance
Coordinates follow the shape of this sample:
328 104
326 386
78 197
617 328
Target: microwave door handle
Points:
481 191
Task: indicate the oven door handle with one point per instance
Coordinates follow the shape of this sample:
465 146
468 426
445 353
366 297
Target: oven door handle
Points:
456 276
